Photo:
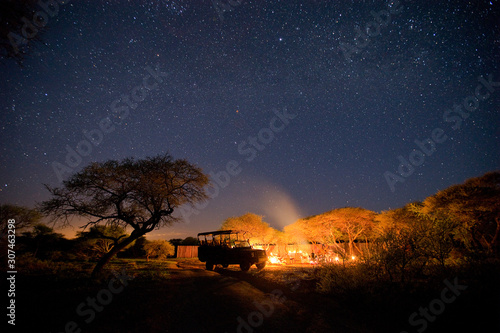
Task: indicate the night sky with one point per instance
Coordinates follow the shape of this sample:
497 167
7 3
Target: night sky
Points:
280 87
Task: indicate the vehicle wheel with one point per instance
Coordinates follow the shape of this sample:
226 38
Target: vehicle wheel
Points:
261 265
225 265
209 266
245 266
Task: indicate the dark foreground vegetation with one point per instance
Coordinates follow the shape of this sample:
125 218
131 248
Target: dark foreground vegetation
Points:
166 295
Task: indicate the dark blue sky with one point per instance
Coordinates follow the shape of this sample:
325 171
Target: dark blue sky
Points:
360 82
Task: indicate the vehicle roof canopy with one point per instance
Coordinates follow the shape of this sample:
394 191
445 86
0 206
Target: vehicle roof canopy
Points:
220 232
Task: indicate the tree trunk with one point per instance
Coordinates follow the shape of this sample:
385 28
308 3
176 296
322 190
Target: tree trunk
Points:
108 256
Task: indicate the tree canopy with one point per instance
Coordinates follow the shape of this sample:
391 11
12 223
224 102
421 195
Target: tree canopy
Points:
25 217
160 249
99 239
256 230
42 242
475 204
342 224
140 194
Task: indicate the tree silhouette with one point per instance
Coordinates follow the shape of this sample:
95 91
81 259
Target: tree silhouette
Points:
99 239
24 217
141 194
42 242
190 241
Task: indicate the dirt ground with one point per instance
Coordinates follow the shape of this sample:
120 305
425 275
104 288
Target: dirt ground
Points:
181 296
187 299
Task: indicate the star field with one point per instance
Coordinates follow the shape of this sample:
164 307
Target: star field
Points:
224 77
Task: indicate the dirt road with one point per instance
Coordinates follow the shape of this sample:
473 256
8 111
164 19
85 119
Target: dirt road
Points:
228 300
190 299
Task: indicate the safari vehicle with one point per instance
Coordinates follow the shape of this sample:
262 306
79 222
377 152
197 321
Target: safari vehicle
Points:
228 247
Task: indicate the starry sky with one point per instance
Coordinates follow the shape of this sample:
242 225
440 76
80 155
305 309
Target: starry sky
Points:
317 101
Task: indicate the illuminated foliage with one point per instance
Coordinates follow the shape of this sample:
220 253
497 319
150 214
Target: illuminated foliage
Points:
399 242
160 249
347 224
475 206
256 230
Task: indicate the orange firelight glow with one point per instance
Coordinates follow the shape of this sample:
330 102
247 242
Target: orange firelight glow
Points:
273 259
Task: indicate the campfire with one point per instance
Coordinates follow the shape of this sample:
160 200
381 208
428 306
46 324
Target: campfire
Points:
292 257
282 256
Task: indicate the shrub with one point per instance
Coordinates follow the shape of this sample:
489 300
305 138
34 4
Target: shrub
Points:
349 279
29 265
160 249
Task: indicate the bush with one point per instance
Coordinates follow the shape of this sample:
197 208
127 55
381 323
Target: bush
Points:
29 265
349 279
160 249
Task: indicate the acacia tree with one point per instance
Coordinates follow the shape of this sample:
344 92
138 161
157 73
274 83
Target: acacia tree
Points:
439 230
354 223
475 206
399 237
344 224
24 217
308 229
43 243
317 229
256 230
141 194
296 232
